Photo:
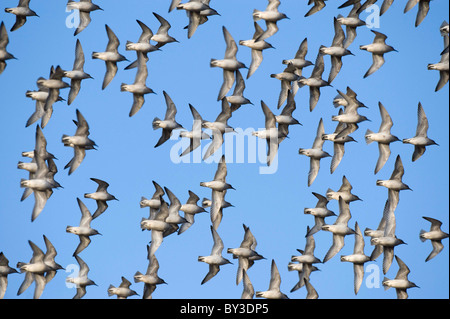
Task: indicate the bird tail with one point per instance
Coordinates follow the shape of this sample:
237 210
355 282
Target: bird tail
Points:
420 235
329 191
137 274
385 286
19 265
155 123
300 85
21 182
211 63
109 292
368 140
142 199
204 202
256 16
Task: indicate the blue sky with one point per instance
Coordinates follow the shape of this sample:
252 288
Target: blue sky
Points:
270 204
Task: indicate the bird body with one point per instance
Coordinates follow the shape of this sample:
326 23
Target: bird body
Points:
22 11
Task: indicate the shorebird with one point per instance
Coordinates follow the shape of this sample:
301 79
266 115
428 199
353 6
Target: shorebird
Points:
401 282
315 81
34 272
338 143
190 209
219 182
351 22
358 258
435 235
229 64
22 11
421 140
384 138
5 270
245 253
111 56
162 36
215 260
307 259
155 202
151 278
77 74
218 127
40 96
350 117
80 142
204 14
237 99
378 48
339 229
344 192
257 46
143 45
315 153
4 55
377 233
218 203
319 212
348 100
41 184
285 119
82 281
101 196
32 167
53 84
84 231
196 135
336 51
49 260
168 124
174 209
442 66
299 62
123 291
85 7
271 15
274 291
271 134
197 11
395 184
139 87
300 268
287 78
157 224
389 240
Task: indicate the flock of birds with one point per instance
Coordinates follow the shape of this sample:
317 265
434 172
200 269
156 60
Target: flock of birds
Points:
164 218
